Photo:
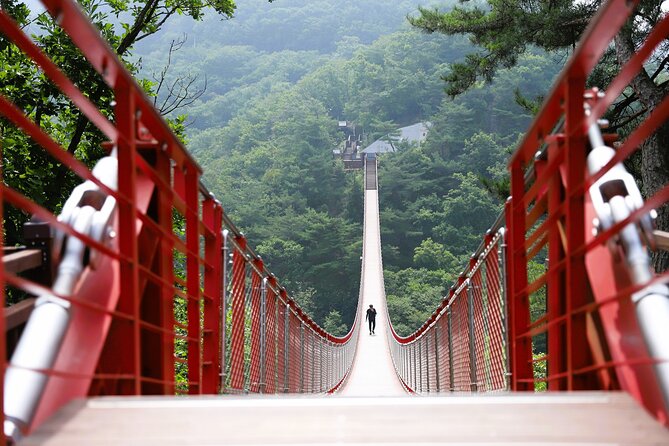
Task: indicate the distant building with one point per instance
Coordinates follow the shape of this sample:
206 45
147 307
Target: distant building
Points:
349 152
412 134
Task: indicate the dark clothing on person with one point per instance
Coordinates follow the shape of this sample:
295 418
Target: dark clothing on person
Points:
371 317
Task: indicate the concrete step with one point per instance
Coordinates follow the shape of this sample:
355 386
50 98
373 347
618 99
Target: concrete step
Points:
532 419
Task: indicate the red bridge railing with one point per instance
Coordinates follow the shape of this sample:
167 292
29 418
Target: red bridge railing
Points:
161 293
602 313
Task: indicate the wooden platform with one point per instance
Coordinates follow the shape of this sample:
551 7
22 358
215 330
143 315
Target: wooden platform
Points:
535 419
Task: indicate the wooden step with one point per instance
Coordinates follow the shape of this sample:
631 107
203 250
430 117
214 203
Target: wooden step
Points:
531 419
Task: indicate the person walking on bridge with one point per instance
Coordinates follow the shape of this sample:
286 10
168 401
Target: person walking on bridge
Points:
371 317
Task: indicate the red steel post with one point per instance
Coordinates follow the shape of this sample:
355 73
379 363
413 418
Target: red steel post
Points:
193 294
555 284
256 291
577 354
238 317
157 306
211 349
126 123
280 309
270 343
520 350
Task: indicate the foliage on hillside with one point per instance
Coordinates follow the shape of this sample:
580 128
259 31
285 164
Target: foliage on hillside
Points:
270 164
26 167
503 30
278 77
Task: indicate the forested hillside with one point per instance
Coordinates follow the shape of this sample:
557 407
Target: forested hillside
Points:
280 75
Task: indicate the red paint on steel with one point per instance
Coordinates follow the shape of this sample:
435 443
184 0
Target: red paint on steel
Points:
294 353
193 294
575 294
281 343
163 356
520 348
10 29
211 307
555 305
591 328
480 320
496 350
590 322
271 344
444 360
238 318
460 341
126 113
124 334
254 368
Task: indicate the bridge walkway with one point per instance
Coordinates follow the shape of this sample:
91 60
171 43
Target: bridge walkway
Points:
372 407
372 373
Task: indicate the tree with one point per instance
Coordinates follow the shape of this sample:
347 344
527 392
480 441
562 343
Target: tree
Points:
433 255
413 294
334 324
504 29
27 168
468 212
146 19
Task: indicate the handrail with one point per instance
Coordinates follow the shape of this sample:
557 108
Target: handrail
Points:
151 292
24 260
599 312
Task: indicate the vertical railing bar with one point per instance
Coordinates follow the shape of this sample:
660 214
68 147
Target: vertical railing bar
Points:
420 364
436 357
302 357
322 362
263 334
472 339
277 325
407 364
485 301
505 309
427 361
286 340
415 367
450 348
224 307
248 274
313 364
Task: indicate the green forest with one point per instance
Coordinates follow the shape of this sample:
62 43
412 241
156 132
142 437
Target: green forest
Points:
256 91
280 75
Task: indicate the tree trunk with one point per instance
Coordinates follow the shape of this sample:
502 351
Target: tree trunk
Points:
655 150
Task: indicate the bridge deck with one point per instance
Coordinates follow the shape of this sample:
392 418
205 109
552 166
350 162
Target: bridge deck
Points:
372 373
556 419
372 407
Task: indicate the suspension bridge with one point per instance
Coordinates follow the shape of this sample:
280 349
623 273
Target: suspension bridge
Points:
99 355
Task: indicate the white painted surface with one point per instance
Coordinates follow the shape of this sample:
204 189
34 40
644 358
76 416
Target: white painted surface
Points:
373 373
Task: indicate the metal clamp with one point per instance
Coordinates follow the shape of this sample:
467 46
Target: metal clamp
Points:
615 197
89 194
89 211
617 182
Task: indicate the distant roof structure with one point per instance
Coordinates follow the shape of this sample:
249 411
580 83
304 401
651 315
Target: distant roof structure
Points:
412 134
